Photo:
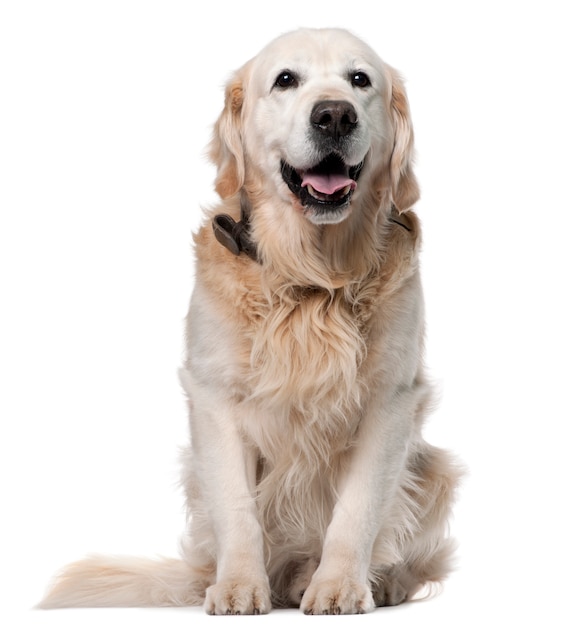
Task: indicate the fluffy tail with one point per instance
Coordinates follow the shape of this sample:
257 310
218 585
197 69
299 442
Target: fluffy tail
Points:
100 581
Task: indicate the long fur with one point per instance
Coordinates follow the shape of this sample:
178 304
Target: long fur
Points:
305 379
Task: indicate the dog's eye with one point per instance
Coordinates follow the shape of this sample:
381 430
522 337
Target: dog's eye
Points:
285 80
360 79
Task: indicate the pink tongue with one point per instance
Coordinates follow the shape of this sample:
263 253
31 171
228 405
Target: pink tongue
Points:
327 183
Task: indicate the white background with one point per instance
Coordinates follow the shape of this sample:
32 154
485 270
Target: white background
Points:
105 111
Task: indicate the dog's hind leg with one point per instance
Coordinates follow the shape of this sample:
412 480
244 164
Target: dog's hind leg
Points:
401 582
420 536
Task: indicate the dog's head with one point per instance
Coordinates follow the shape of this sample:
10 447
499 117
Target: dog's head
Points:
319 120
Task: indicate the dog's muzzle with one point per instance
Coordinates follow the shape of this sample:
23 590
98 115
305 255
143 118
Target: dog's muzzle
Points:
328 185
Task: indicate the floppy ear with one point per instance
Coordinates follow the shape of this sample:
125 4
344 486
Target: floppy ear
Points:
226 148
404 186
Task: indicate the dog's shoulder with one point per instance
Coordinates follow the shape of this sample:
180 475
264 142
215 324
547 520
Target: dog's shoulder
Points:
233 282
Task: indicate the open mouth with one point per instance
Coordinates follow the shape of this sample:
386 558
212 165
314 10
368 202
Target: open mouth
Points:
329 185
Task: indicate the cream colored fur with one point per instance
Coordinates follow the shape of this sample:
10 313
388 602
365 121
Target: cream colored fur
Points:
308 481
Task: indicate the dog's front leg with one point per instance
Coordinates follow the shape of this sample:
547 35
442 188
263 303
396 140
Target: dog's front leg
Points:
226 467
340 584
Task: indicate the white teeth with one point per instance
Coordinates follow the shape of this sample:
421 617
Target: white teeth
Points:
314 193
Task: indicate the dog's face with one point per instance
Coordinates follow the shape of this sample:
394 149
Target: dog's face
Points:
315 117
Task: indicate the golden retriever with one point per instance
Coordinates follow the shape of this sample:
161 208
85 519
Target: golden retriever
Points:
308 480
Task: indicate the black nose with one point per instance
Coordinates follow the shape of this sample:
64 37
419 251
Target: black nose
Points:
335 118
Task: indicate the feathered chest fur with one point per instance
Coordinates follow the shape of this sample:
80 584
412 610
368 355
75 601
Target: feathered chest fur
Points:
304 378
299 351
306 352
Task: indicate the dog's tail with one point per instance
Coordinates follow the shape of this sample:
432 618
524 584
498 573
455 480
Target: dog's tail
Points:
100 581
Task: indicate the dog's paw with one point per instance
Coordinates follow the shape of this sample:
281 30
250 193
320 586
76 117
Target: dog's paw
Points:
238 597
343 596
301 580
395 585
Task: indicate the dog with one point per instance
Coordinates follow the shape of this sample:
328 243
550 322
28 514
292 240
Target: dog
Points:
308 480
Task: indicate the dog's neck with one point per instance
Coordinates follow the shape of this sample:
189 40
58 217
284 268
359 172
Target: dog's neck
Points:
236 236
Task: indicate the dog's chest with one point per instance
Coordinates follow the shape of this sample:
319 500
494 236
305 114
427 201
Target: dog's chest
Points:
305 354
288 350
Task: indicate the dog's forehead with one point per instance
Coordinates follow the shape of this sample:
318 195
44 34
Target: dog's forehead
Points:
312 50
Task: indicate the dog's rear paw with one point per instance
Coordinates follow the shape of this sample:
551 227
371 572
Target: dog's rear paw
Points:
301 580
238 597
395 585
337 597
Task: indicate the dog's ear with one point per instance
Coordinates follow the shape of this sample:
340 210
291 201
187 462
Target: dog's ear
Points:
404 186
226 148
